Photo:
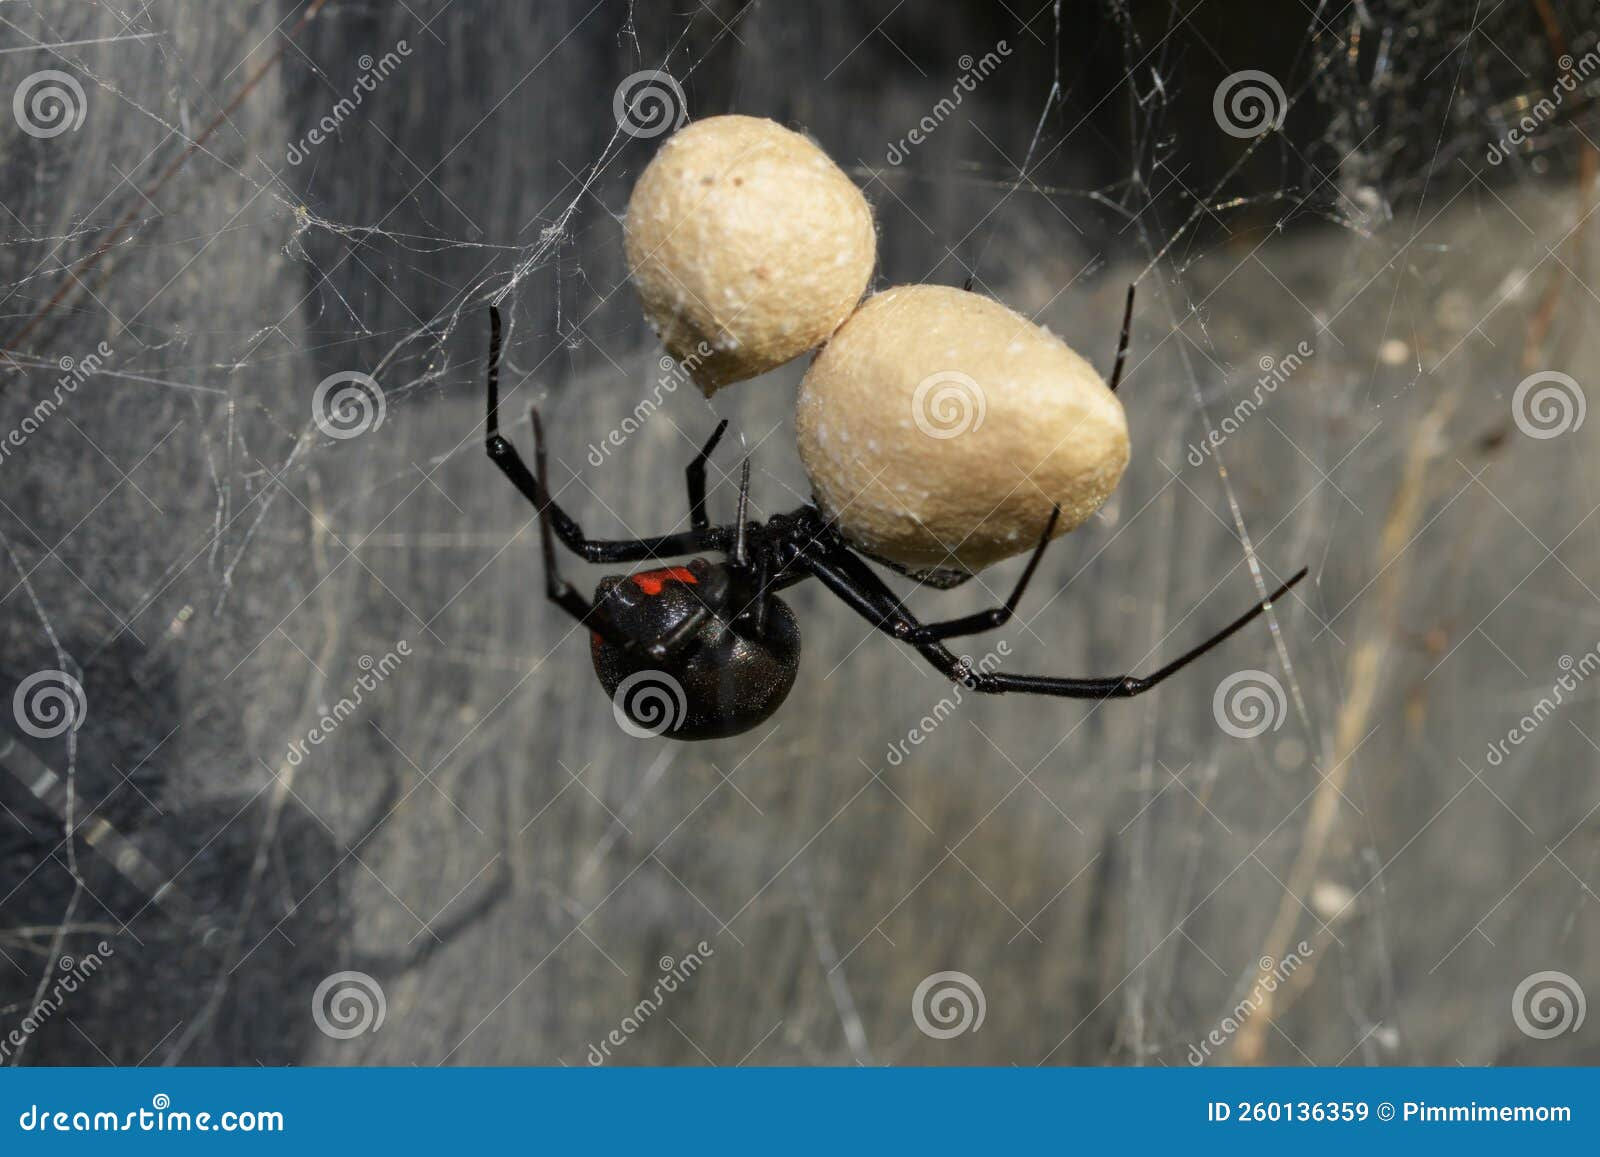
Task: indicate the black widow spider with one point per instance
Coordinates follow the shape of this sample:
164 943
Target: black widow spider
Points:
707 649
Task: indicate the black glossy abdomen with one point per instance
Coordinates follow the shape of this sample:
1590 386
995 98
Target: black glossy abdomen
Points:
721 684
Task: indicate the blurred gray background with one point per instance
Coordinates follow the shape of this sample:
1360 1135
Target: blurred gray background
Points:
479 840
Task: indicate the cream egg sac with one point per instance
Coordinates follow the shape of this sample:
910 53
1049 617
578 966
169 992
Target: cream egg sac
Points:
748 247
938 427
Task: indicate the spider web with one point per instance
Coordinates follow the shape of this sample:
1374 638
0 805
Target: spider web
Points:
270 486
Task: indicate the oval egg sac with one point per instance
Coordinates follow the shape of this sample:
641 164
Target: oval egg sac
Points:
937 428
748 247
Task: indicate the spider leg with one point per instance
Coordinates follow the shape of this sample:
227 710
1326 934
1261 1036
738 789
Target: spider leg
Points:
853 581
987 620
556 588
741 548
564 595
680 636
1122 342
695 477
1127 686
763 584
866 594
534 489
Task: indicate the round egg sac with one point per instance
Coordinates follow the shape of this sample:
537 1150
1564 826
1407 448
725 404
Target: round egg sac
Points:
748 247
938 427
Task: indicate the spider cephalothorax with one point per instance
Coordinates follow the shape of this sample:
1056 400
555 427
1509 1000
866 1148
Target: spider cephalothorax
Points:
707 649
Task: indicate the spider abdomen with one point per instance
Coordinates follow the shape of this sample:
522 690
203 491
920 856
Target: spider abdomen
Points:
725 676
